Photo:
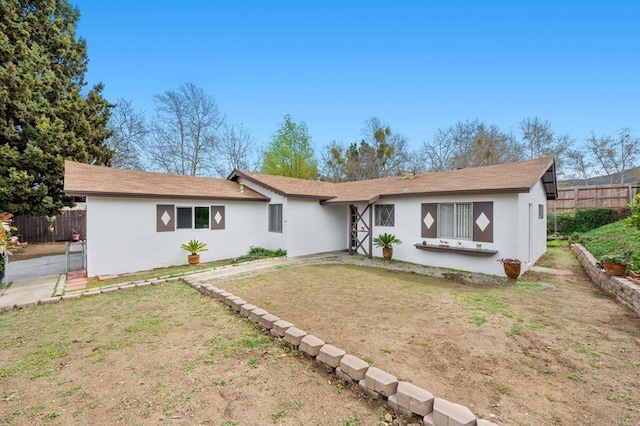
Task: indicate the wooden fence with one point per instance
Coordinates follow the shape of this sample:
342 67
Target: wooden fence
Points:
36 229
591 197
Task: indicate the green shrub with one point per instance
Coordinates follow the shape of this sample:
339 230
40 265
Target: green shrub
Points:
256 253
633 221
582 221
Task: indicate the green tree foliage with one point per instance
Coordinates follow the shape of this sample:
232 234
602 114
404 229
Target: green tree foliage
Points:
290 152
380 153
633 221
44 116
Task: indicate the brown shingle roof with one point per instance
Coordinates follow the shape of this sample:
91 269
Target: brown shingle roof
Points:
287 186
500 178
84 179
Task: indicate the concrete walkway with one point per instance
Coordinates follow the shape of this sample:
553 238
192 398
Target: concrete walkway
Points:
31 291
32 280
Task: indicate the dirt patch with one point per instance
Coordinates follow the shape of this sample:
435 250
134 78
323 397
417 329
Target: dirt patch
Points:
161 355
33 250
551 349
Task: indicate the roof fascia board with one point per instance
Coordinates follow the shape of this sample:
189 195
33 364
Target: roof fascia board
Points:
161 196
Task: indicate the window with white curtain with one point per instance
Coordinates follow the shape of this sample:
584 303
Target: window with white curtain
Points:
455 220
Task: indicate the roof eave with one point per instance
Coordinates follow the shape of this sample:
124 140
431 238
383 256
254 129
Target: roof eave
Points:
74 193
239 174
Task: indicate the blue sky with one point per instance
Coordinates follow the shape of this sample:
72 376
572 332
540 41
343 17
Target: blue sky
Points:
417 65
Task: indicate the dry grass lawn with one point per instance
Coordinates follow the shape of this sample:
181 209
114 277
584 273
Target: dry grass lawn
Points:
160 355
550 349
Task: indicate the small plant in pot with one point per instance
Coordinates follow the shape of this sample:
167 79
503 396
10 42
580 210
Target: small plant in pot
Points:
75 235
194 247
512 268
615 265
386 241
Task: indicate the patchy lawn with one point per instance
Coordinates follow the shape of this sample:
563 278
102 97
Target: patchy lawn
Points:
160 355
551 349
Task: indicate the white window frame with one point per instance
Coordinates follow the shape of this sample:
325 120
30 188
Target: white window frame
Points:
178 208
455 220
193 217
385 215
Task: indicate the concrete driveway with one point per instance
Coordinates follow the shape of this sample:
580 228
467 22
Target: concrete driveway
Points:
34 268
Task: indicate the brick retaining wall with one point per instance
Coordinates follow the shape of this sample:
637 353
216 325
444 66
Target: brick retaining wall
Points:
404 397
621 288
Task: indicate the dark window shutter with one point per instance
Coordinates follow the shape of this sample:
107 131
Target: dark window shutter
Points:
217 217
165 218
429 220
483 222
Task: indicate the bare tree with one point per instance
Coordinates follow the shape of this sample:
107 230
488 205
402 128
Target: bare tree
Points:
441 152
129 131
184 131
538 140
235 148
624 151
600 147
581 165
470 144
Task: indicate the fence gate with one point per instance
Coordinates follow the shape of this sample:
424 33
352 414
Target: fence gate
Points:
76 254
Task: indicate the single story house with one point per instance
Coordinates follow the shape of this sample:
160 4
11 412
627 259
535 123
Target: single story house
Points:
463 219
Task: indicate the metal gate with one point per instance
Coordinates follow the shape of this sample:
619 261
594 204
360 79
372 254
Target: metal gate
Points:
76 254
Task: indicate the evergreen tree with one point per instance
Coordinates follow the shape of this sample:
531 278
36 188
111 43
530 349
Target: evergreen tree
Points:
44 116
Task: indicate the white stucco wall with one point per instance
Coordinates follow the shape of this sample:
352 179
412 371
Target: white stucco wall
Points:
532 230
121 234
508 232
308 227
316 228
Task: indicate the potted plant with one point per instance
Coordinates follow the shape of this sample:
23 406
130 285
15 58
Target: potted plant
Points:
511 268
386 241
615 265
75 235
51 220
194 247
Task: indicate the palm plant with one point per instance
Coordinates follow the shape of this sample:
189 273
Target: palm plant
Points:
194 247
386 240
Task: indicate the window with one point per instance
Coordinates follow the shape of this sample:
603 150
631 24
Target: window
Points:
184 218
202 217
540 211
385 215
275 217
455 221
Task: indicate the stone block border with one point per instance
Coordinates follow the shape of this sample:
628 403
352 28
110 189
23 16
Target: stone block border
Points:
403 397
621 288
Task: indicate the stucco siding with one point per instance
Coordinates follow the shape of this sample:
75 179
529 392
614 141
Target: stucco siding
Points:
315 228
532 229
122 235
407 227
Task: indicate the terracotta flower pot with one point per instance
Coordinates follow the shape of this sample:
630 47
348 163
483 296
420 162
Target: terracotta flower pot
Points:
75 237
615 269
512 270
387 253
194 259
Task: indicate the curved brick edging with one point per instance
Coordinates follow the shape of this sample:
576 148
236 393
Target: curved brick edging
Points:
401 396
621 288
